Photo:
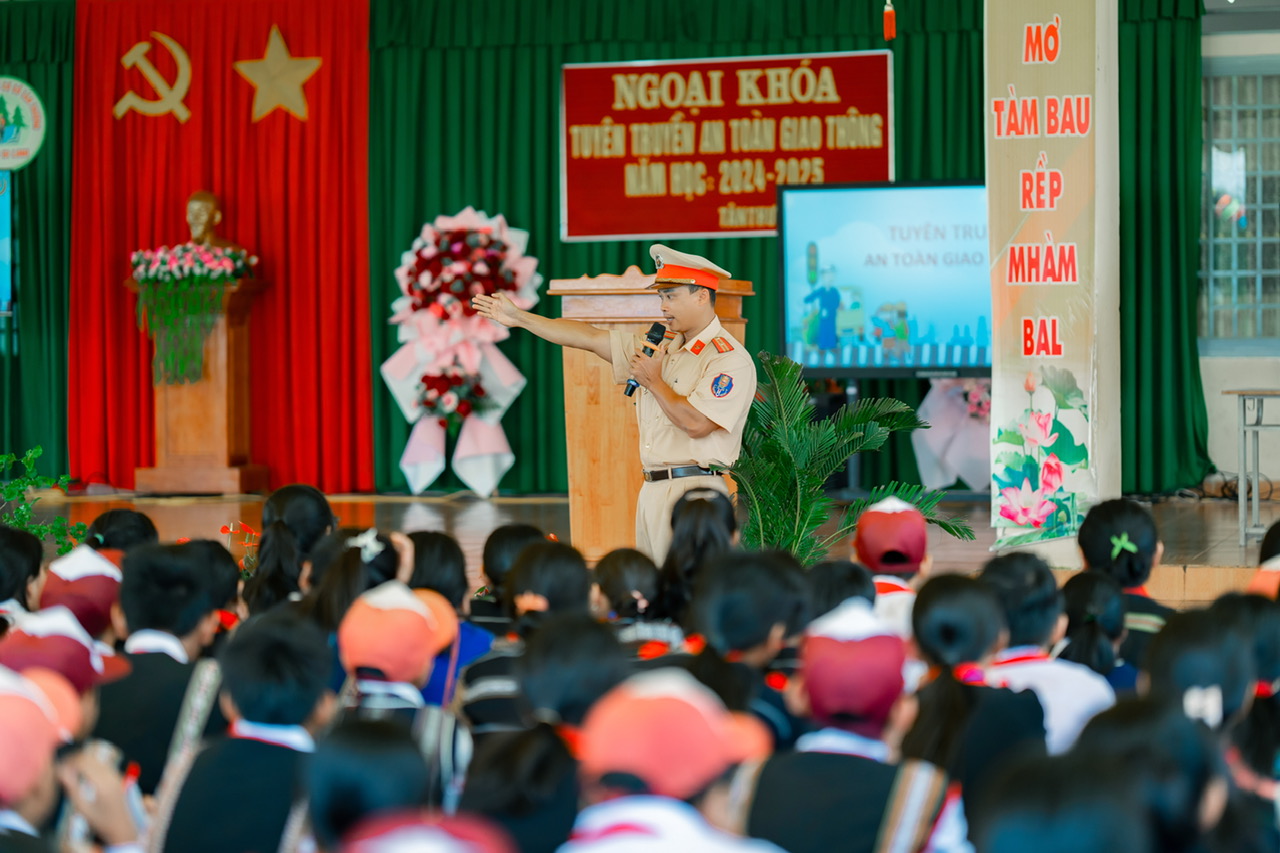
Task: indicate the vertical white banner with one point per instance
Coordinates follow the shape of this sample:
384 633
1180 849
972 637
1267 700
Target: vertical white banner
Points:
1053 201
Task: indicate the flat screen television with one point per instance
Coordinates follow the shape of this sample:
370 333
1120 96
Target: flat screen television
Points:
886 279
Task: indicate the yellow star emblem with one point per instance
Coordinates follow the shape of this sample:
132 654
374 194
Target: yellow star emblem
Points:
278 78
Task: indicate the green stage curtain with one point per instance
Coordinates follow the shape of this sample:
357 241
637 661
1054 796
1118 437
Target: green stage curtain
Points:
464 110
1164 423
37 41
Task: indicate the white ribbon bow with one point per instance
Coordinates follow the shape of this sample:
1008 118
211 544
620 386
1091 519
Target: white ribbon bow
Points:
1204 704
368 543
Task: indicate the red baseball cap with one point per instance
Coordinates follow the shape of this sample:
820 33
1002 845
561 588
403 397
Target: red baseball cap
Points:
87 583
670 731
397 631
891 538
32 724
54 639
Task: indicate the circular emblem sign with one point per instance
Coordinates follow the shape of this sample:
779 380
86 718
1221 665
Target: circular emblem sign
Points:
22 123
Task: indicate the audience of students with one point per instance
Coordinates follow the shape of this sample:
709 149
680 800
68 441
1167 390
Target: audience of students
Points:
729 701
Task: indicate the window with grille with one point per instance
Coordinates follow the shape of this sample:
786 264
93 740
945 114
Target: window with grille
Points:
1240 206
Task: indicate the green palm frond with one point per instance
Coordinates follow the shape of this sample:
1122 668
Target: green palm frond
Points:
787 457
916 495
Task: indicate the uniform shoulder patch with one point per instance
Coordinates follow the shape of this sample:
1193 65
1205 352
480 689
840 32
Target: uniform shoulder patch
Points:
721 385
697 348
668 334
721 345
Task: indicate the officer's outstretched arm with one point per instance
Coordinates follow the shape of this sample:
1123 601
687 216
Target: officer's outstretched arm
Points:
566 333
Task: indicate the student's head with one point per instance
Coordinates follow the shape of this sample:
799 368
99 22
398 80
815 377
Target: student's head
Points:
20 557
1118 538
294 519
548 577
1258 735
1064 804
628 583
957 623
52 640
1184 778
850 674
439 564
1029 596
392 633
361 769
345 564
568 664
956 620
1270 547
1203 666
703 527
221 570
121 530
749 601
1267 579
1096 609
166 588
745 605
87 583
34 715
836 581
892 538
501 549
663 733
275 671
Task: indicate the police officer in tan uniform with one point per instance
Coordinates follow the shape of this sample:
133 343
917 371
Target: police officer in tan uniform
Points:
695 389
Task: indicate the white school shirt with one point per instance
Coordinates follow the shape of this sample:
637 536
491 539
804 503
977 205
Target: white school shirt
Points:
646 823
1072 694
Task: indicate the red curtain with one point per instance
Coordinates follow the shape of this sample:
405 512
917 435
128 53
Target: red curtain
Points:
294 191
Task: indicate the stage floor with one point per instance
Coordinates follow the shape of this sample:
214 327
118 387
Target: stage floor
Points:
1203 556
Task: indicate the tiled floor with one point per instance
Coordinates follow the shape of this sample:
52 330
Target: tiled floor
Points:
1196 533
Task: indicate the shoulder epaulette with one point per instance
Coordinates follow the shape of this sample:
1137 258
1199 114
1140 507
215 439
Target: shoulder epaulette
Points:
669 334
721 344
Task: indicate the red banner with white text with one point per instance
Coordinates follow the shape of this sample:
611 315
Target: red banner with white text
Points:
696 148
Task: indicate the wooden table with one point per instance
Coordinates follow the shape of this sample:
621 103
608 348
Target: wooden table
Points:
1250 424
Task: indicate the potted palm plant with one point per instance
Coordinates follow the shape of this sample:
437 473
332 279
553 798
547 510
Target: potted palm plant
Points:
787 457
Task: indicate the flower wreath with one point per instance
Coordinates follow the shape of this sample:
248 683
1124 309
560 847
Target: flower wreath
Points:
448 375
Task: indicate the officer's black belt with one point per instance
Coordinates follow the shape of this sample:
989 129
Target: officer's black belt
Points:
673 473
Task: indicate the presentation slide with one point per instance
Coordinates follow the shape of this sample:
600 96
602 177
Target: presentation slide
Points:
886 279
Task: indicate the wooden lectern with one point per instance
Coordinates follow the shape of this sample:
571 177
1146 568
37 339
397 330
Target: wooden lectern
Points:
600 421
202 428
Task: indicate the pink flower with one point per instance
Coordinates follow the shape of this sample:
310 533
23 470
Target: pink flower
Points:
1025 506
1037 433
1030 383
449 402
1051 473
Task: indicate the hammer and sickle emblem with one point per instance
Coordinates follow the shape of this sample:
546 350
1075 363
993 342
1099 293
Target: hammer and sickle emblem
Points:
171 94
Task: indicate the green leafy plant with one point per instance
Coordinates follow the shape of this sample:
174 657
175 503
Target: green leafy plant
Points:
17 508
787 457
180 295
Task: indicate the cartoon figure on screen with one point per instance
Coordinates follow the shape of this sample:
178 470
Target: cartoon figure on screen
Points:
890 328
828 305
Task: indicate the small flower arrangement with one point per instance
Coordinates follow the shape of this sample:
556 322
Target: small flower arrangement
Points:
452 396
207 264
248 541
180 290
443 269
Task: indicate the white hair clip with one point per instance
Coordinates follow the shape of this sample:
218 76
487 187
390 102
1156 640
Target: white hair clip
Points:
1204 704
368 544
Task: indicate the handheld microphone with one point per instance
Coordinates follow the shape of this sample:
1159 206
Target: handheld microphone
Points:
656 333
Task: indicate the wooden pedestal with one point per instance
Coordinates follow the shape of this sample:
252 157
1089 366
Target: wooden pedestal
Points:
202 428
600 421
